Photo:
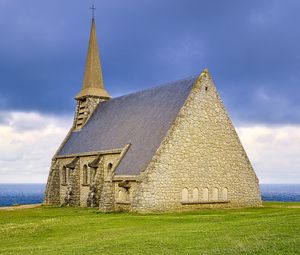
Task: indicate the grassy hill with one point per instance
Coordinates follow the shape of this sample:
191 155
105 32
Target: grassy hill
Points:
273 229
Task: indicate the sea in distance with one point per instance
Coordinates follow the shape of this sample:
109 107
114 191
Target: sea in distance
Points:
17 194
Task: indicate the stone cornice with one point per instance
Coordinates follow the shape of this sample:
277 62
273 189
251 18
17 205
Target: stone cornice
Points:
125 178
92 153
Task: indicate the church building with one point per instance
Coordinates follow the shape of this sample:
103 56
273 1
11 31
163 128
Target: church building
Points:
168 148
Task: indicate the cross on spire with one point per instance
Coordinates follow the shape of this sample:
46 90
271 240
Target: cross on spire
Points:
93 10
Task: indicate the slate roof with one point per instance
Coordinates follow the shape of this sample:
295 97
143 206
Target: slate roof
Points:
141 119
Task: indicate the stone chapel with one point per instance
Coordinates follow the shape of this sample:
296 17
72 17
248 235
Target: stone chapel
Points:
168 148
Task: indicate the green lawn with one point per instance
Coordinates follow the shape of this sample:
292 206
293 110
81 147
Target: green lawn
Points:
273 229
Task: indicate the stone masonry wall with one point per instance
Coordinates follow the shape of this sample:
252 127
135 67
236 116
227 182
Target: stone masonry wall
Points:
53 185
107 196
124 197
54 190
57 188
200 154
89 104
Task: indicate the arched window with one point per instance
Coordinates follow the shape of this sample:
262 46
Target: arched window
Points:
215 194
205 194
109 167
64 175
195 194
225 194
185 195
85 175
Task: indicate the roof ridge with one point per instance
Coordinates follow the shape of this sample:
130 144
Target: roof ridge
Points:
156 87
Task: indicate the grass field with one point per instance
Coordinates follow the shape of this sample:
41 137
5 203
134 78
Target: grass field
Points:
273 229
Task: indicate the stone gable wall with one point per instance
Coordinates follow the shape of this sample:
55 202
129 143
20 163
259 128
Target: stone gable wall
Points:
200 154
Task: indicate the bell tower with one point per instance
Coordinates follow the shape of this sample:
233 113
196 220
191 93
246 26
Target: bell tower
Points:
93 91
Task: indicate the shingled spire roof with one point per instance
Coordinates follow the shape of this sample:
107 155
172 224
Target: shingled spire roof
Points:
93 81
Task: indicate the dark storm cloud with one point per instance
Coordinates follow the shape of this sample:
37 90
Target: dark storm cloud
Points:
250 47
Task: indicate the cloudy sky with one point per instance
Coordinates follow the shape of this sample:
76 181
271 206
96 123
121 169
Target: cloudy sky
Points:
252 49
